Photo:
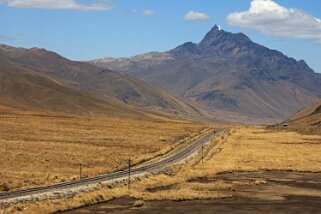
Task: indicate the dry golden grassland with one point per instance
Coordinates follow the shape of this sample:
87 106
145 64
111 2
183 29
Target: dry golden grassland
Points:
242 149
38 150
249 149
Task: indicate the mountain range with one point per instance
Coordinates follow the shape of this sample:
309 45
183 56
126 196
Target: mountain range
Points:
43 81
228 76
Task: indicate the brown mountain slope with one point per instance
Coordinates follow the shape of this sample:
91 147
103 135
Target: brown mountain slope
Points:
308 120
104 83
31 92
314 108
227 72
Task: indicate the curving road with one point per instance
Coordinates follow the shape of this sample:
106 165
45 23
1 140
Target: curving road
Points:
175 158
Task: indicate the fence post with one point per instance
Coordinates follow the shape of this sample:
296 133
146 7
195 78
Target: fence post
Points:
80 171
202 153
129 173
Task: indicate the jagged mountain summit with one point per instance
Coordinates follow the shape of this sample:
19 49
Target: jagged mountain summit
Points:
229 76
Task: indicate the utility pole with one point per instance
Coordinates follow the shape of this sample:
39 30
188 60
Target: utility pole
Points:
202 153
80 171
129 173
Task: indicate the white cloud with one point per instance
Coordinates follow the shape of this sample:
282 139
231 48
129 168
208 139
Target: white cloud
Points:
274 19
196 16
149 12
134 10
55 4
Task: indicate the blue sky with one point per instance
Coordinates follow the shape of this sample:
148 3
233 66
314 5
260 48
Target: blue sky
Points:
82 30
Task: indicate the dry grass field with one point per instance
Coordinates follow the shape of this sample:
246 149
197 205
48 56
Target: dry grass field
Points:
38 150
249 149
241 150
